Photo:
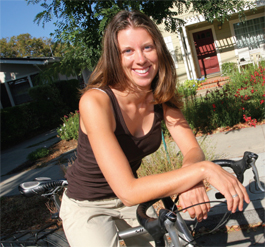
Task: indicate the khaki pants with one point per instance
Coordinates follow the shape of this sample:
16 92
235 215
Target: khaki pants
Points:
96 223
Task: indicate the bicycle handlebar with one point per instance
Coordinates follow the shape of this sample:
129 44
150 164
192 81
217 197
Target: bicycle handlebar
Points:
40 187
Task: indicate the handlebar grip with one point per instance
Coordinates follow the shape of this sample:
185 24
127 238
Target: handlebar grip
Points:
153 226
32 188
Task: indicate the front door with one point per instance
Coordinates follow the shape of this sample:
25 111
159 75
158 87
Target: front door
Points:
206 52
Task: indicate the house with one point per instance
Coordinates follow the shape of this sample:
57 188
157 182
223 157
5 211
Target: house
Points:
17 75
199 48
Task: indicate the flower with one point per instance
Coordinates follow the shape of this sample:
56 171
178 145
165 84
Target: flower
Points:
214 106
262 101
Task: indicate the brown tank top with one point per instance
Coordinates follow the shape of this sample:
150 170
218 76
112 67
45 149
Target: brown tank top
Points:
85 179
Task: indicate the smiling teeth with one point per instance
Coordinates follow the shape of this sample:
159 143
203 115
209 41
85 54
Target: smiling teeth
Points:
142 71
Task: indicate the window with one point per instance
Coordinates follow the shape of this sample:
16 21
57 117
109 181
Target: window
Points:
170 48
250 33
19 89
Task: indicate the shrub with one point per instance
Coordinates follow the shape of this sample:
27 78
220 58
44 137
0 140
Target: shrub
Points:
69 129
69 93
51 101
189 87
37 154
162 161
242 98
229 68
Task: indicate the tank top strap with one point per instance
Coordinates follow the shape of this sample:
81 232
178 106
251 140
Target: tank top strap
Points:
120 123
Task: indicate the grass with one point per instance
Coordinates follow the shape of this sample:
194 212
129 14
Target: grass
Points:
162 161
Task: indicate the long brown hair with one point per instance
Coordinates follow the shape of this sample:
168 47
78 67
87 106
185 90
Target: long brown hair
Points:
109 71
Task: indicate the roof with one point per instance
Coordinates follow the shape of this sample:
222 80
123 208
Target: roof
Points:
30 60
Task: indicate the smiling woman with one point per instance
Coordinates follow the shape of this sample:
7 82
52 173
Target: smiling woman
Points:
138 56
132 89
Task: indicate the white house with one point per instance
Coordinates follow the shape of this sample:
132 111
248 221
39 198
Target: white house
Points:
199 48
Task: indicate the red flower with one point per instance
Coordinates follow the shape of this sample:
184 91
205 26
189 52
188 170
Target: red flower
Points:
262 101
252 91
214 106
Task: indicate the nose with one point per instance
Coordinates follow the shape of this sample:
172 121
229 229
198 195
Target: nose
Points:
140 57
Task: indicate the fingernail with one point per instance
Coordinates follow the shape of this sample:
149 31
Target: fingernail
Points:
205 217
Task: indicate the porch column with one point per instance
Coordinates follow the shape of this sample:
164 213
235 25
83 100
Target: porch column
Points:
184 55
193 73
30 82
9 94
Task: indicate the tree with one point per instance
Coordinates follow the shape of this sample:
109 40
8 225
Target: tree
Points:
24 45
80 24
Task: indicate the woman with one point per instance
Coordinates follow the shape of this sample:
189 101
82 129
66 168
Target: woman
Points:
130 92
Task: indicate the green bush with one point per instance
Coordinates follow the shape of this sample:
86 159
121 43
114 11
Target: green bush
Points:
51 102
69 129
63 94
241 99
229 68
44 92
37 154
69 93
162 161
189 87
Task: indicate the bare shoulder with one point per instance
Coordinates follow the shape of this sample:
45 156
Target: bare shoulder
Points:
172 115
95 110
93 98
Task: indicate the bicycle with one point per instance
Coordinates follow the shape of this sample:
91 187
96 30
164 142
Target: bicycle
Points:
169 222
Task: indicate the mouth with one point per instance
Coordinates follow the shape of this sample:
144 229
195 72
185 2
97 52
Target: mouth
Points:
142 71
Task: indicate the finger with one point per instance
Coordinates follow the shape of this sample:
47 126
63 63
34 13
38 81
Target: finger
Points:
199 213
243 195
192 211
187 204
208 205
202 209
182 204
237 198
230 195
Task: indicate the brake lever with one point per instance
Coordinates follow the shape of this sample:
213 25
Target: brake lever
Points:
256 174
239 167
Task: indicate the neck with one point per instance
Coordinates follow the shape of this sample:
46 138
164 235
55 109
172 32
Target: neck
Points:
139 97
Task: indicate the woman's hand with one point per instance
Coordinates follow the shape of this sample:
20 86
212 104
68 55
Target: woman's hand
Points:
234 192
196 194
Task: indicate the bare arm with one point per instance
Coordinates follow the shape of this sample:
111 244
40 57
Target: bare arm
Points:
186 141
98 122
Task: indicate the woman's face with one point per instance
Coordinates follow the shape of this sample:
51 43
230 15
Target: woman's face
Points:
138 56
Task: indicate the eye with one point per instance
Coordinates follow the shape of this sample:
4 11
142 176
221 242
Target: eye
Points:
127 51
148 47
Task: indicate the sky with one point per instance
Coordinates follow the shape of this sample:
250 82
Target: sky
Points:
16 17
